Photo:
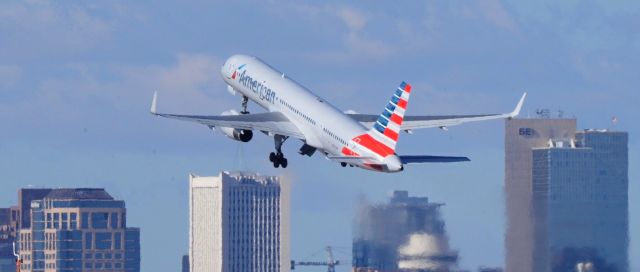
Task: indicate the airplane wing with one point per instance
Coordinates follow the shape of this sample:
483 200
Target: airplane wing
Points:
273 122
441 121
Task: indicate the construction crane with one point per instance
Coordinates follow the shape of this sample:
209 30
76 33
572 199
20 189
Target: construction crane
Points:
330 263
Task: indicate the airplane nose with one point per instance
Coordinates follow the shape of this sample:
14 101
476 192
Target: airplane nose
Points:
393 163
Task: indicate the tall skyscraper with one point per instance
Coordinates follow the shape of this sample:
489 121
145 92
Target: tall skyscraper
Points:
78 230
566 194
239 221
407 234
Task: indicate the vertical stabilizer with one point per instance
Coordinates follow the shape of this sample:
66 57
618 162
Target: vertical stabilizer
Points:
383 136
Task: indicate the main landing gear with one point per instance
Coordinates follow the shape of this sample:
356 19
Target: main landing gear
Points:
245 103
278 158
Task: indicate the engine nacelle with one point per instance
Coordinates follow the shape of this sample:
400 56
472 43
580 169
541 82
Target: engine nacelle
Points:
243 135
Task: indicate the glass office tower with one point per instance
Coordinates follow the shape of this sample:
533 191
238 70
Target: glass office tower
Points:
567 197
79 230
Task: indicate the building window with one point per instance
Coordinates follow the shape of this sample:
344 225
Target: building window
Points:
85 220
74 221
117 240
114 220
65 221
99 220
88 240
49 220
103 240
56 220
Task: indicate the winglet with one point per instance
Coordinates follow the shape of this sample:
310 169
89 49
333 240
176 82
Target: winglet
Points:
516 111
153 103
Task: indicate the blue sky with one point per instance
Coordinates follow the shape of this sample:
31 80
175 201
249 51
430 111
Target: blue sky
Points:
76 80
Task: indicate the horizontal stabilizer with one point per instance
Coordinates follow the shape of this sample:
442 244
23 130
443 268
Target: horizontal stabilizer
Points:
431 159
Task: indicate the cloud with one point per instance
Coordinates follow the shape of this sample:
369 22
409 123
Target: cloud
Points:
110 100
496 14
357 41
42 29
354 20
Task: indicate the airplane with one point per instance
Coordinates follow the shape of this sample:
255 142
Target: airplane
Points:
367 141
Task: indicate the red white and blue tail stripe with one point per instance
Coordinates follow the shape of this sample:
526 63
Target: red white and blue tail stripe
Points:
383 136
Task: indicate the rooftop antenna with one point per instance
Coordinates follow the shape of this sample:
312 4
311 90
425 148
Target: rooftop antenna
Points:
542 113
614 121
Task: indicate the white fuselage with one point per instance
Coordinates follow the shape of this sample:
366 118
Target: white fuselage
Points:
324 126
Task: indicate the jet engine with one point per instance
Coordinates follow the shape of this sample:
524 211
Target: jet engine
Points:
243 135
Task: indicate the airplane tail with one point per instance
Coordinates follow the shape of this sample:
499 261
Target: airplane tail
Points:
383 136
387 128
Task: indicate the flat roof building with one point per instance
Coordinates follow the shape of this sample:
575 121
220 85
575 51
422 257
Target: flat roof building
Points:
239 221
567 196
80 229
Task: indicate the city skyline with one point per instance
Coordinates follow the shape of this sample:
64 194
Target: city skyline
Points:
76 80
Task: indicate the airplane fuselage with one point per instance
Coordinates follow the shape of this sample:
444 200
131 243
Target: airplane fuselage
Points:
324 126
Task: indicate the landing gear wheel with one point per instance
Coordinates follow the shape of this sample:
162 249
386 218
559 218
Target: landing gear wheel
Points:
272 157
344 164
278 158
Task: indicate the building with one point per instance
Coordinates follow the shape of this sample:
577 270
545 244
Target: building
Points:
406 234
239 221
78 230
185 263
566 194
25 197
7 237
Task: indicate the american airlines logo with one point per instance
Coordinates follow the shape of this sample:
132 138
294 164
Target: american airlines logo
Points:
233 76
264 92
